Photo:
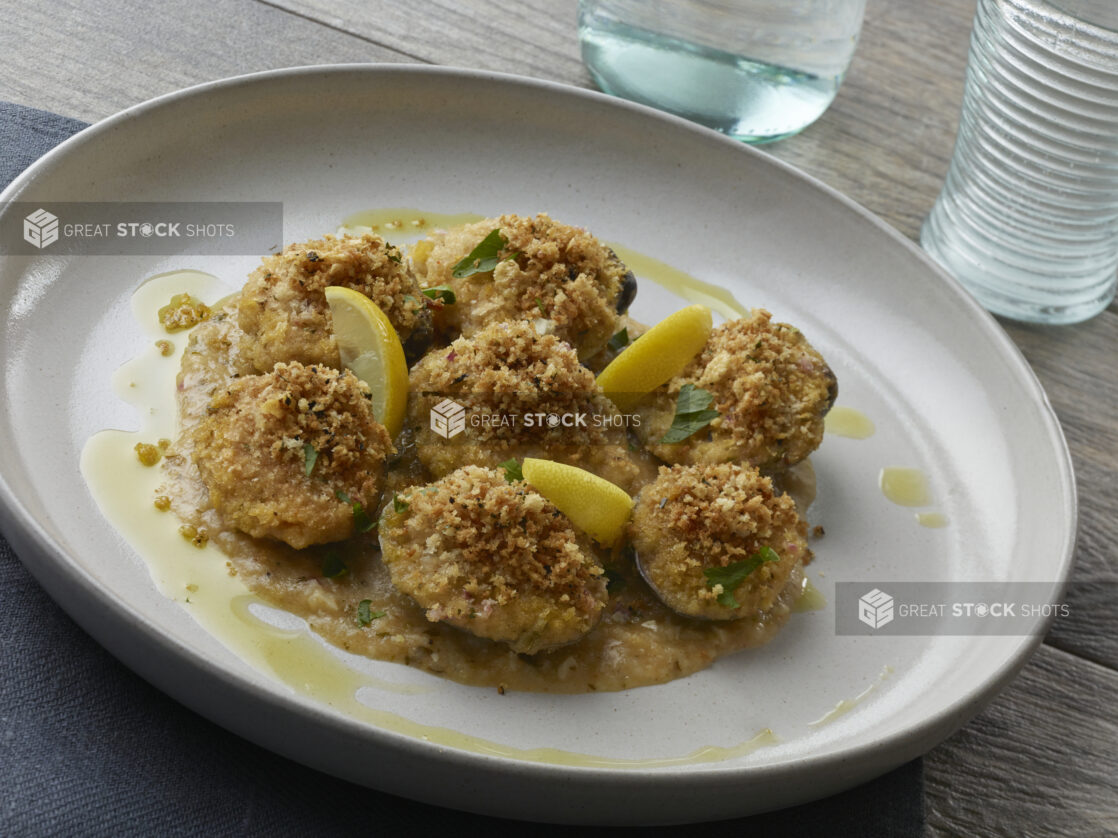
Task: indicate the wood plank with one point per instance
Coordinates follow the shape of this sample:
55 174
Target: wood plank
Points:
89 60
1041 760
529 37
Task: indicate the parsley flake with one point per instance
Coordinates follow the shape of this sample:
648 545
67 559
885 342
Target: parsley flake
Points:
691 414
361 519
619 341
483 258
310 457
732 575
398 505
442 293
513 471
333 566
365 614
540 305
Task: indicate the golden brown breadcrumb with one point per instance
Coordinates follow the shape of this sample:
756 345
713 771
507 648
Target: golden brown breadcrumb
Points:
692 518
553 273
501 376
277 450
771 389
283 309
493 558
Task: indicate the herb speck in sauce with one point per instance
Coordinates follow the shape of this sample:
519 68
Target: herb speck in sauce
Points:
333 566
365 614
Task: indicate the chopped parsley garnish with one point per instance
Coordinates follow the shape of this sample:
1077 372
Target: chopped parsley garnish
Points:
398 505
732 575
394 255
483 258
361 519
619 341
310 457
691 413
513 471
540 305
365 614
333 566
443 293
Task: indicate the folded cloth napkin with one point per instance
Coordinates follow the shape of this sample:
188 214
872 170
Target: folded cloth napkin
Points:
89 748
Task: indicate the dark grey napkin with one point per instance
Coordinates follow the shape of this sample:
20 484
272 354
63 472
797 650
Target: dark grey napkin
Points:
89 748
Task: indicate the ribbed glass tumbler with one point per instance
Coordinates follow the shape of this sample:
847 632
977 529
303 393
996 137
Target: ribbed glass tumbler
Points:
1028 216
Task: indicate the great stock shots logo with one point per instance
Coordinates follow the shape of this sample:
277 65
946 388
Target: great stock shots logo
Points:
448 419
140 228
40 228
946 608
875 609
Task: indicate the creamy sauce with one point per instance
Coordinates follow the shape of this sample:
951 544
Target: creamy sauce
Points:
848 704
207 583
848 422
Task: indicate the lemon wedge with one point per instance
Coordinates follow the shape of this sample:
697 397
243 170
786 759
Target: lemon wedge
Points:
371 350
657 356
593 504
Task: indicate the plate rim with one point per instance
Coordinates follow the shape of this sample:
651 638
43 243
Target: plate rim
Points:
60 576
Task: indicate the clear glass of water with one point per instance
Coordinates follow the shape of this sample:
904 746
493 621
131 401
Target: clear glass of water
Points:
757 70
1028 216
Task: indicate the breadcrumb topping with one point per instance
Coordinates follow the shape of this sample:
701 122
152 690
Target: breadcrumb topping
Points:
557 273
283 309
501 375
493 558
692 518
771 389
276 450
508 368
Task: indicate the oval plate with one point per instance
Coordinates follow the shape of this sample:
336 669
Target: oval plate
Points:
947 390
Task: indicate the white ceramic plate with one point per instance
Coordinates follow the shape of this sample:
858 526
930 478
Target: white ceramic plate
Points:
947 390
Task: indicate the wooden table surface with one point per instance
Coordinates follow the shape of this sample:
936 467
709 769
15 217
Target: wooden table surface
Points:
1042 759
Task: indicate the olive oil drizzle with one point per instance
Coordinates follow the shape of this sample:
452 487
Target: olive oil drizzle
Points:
909 487
848 422
847 704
